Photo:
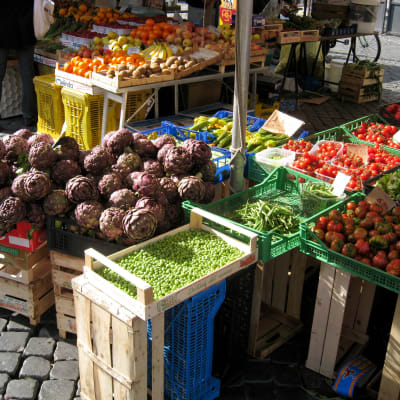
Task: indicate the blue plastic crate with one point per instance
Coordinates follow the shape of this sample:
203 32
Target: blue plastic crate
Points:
253 123
188 347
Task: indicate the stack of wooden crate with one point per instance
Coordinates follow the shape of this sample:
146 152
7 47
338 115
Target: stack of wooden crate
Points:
25 281
65 268
360 85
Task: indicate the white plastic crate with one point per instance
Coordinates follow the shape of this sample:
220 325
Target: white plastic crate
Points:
269 158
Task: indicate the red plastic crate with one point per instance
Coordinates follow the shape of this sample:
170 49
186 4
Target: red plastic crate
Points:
24 237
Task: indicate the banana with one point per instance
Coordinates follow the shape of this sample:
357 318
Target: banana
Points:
169 51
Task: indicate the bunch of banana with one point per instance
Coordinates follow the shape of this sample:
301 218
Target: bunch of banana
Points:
157 51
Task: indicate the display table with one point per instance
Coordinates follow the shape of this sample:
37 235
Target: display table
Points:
121 95
341 317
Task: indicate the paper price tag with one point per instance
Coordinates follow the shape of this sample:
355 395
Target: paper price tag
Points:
280 122
358 150
173 48
133 50
380 197
340 183
396 137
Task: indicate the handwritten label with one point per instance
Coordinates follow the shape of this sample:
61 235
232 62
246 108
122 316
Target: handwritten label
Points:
396 137
358 150
340 183
380 197
173 48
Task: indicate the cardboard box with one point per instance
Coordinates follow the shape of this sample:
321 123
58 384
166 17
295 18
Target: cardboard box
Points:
202 93
24 237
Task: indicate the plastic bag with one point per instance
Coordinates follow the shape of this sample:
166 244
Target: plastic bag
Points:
42 17
272 9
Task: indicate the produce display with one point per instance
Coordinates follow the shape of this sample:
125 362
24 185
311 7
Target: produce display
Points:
364 232
174 261
390 183
377 133
117 192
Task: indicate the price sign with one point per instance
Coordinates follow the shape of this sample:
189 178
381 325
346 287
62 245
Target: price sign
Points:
340 183
380 197
358 150
396 137
173 48
133 50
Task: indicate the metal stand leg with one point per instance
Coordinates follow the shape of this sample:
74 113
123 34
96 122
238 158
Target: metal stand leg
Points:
176 96
292 53
105 114
123 109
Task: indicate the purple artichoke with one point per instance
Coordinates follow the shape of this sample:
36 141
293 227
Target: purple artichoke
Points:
136 136
145 147
177 161
5 192
5 173
82 156
139 224
174 215
87 214
191 188
118 141
170 188
131 177
163 226
110 222
163 151
64 170
153 205
14 146
12 211
209 193
161 141
97 160
81 188
127 163
37 185
24 133
207 171
35 215
105 139
153 167
162 198
18 187
42 156
109 183
198 150
67 149
40 137
145 184
178 177
56 203
123 198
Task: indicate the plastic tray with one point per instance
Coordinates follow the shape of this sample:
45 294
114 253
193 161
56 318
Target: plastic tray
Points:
50 105
282 183
265 158
188 346
312 246
74 244
368 185
317 146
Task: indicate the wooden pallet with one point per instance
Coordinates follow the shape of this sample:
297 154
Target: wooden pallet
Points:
30 300
26 276
341 316
278 290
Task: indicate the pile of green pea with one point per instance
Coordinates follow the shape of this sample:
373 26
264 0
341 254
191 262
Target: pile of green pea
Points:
173 262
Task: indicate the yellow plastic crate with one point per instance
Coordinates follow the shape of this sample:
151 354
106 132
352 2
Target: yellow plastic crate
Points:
83 115
134 101
49 104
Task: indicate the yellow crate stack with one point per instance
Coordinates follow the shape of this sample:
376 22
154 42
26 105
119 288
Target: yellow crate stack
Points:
50 105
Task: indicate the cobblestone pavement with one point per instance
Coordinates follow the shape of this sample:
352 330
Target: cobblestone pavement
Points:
35 364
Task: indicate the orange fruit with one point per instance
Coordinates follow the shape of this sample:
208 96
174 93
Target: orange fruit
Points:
150 21
62 11
87 74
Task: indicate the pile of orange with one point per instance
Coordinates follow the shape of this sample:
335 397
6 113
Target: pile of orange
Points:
151 31
85 66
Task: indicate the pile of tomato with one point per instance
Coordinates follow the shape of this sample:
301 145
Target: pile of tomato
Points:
377 133
299 146
363 232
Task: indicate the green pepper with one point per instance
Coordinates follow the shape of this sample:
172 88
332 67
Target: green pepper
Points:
383 227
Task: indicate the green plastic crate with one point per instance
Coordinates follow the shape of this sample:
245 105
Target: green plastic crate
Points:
312 246
255 172
283 184
337 133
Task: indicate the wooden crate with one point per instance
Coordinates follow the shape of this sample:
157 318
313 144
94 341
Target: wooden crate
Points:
64 269
286 37
362 73
309 35
22 259
26 276
278 289
231 61
355 94
341 316
30 300
116 366
113 351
